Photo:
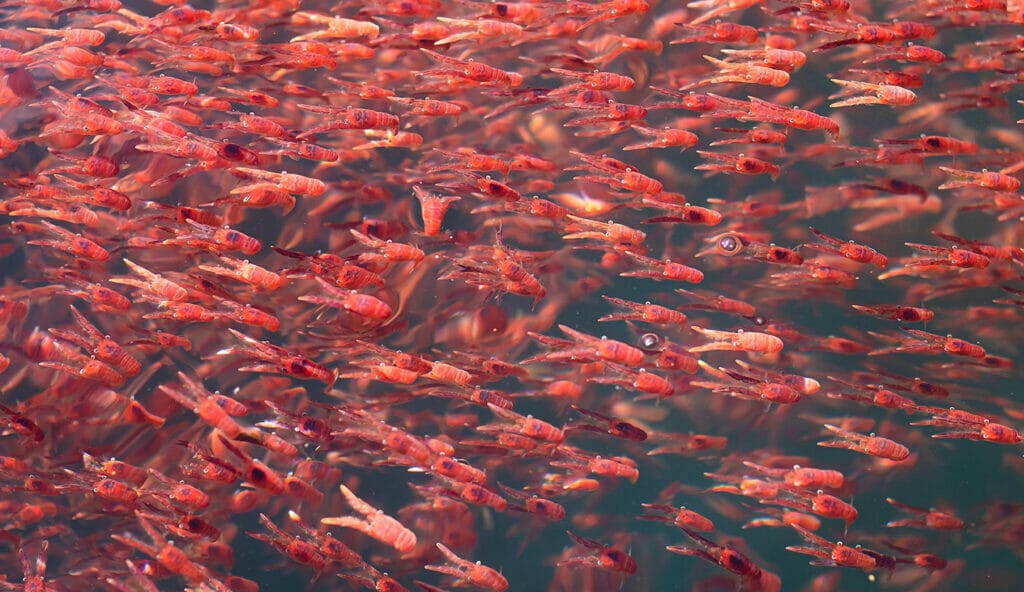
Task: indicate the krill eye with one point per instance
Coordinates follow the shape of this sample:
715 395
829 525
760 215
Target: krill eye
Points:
615 555
729 244
649 342
232 151
734 562
758 320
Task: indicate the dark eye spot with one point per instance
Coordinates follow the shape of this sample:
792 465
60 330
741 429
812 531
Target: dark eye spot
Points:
730 244
231 151
300 366
472 493
257 475
649 342
313 427
733 562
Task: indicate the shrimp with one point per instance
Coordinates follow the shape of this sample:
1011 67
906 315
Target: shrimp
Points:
747 341
377 524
